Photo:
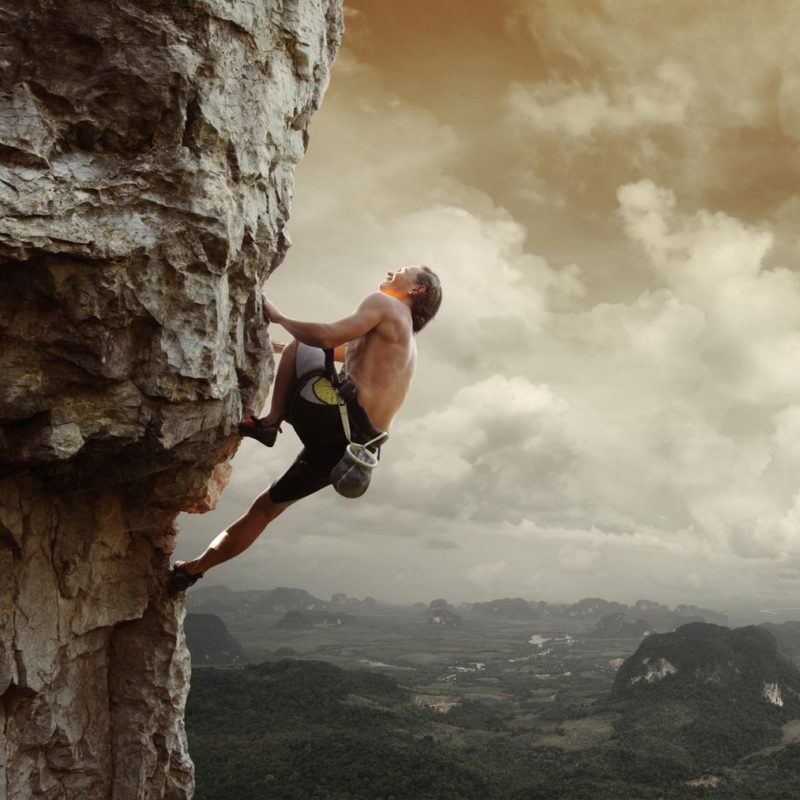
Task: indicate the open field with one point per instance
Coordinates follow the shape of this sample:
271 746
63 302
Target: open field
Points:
413 651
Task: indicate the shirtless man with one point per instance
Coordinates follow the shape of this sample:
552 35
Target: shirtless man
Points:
380 357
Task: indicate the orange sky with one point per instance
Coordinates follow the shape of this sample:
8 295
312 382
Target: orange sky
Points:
731 144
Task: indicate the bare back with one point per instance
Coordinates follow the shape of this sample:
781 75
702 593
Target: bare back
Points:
381 364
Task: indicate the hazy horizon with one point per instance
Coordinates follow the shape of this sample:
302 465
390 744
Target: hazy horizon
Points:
741 612
609 402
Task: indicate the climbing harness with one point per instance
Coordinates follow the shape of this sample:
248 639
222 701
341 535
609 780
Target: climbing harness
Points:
352 475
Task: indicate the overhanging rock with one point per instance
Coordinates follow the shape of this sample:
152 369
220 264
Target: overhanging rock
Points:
147 152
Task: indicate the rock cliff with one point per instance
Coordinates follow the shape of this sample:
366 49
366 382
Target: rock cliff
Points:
147 150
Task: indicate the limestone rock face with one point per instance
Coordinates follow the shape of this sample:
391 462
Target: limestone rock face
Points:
147 151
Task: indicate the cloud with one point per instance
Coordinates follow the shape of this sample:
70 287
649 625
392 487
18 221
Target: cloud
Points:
565 108
716 263
441 544
632 428
627 432
699 98
582 560
774 533
742 48
487 576
494 449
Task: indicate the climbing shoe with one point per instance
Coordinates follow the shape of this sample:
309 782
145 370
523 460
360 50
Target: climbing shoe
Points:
255 429
180 580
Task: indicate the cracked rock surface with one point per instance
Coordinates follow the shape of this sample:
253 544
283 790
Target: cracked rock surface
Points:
147 153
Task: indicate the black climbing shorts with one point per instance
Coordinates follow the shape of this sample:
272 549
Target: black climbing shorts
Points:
320 430
313 412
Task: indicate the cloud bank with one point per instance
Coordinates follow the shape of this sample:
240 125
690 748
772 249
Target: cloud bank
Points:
610 391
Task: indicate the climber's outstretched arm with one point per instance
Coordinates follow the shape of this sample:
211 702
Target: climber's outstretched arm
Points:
367 316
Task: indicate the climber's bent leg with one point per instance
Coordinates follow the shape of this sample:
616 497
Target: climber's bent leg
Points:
284 384
265 430
238 536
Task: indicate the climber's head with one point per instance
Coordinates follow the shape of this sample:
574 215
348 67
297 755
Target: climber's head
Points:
420 288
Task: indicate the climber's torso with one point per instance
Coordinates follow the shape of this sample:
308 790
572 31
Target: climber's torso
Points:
381 364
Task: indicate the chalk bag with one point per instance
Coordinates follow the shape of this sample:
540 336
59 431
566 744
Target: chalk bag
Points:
351 476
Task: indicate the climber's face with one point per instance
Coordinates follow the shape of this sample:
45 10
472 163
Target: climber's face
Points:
401 282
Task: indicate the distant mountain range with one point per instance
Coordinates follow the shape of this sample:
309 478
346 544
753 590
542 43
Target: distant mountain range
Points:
609 617
253 602
308 619
613 619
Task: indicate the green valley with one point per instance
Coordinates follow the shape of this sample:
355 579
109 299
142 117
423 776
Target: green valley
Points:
391 704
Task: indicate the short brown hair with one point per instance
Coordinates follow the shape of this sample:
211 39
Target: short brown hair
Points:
426 304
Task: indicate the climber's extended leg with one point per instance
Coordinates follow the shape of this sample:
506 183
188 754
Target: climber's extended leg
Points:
265 430
232 541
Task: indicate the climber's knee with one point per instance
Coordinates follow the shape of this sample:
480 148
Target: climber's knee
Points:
266 508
